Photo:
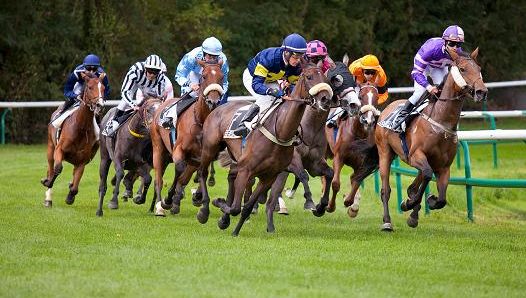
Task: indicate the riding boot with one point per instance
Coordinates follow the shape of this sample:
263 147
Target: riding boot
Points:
112 125
242 130
167 122
400 118
67 104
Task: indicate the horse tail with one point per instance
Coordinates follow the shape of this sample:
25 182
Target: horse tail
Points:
224 159
368 154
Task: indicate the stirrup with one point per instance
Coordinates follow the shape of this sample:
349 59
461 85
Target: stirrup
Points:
241 131
167 123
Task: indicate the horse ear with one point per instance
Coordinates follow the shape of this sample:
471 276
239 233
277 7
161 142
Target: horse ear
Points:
200 62
101 76
83 75
345 59
452 53
220 62
303 61
475 53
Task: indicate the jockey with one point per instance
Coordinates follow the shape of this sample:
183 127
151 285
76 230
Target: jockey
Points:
75 83
148 77
317 51
433 59
168 90
261 75
368 69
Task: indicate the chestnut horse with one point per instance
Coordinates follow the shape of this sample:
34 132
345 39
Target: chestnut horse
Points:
268 149
351 129
431 138
186 151
78 141
128 149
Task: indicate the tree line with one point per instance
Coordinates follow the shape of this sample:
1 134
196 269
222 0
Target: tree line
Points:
42 41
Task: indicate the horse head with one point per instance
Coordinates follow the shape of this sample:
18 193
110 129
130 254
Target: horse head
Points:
313 85
211 82
467 76
93 95
147 110
369 100
342 83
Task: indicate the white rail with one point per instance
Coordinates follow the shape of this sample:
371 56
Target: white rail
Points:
500 114
493 134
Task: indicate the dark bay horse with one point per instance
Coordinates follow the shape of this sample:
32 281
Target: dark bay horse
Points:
186 152
128 149
261 157
431 138
78 141
350 130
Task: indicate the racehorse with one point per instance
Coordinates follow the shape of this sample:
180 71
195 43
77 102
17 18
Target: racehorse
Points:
351 129
186 151
77 140
431 138
268 149
128 149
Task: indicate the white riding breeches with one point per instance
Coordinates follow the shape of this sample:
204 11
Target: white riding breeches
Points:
436 74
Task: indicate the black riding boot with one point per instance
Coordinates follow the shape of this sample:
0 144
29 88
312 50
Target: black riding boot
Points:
242 130
400 118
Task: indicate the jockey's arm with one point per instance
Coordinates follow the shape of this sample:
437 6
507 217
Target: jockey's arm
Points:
225 69
183 69
258 80
68 87
129 87
107 89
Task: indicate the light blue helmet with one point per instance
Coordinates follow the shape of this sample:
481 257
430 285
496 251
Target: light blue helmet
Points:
212 46
154 62
91 59
295 43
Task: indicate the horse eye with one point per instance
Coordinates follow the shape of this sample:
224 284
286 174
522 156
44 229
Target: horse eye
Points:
462 69
309 77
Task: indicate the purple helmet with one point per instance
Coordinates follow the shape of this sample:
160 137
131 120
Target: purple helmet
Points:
453 33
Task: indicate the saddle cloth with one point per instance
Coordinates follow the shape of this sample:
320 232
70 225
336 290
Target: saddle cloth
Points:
175 109
388 121
240 114
59 120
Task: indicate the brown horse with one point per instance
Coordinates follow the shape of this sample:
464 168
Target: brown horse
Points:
186 151
78 140
351 129
128 149
263 156
431 138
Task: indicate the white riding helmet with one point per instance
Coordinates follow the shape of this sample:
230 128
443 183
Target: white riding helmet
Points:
212 46
154 62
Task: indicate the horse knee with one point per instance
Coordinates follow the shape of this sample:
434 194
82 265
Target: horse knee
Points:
427 174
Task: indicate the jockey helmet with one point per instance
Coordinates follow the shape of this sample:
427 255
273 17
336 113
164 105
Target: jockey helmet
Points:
370 62
92 60
295 43
316 48
212 46
453 33
153 62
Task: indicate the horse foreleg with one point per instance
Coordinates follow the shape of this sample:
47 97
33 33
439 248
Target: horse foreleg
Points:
144 172
290 192
262 187
275 191
442 182
337 165
386 157
104 167
119 175
182 182
327 174
419 161
159 166
78 170
128 181
48 201
212 179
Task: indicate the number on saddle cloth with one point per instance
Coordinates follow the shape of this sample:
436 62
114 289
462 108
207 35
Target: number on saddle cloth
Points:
176 108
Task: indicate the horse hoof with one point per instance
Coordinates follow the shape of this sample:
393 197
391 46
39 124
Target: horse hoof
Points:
139 200
412 222
387 227
202 216
254 210
434 203
331 209
99 213
223 223
319 211
271 230
165 205
283 211
159 211
175 209
211 181
290 193
197 199
70 200
352 212
309 205
45 182
48 204
113 205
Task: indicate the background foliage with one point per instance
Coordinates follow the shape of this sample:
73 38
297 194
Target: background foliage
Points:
43 41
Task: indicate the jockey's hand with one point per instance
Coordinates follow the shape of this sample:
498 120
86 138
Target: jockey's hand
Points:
194 86
274 92
286 97
79 97
135 108
432 89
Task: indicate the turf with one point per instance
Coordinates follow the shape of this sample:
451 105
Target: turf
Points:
68 251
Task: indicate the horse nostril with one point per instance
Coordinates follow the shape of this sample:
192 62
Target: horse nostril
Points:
481 94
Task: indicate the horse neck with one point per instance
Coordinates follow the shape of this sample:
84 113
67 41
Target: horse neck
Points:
312 123
358 130
201 109
289 119
84 116
447 111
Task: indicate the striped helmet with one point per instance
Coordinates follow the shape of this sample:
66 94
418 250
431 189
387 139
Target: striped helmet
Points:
316 48
295 43
453 33
153 62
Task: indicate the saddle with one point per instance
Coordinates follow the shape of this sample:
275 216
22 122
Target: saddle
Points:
240 114
60 118
389 120
176 109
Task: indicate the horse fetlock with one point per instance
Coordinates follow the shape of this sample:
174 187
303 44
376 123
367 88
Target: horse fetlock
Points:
139 199
387 227
412 221
434 203
319 211
175 209
159 210
309 205
202 215
223 222
113 204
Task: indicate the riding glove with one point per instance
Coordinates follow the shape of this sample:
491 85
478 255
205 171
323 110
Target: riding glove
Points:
274 92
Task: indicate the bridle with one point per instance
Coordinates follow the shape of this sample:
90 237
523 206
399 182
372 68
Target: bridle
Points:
142 113
92 102
466 89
